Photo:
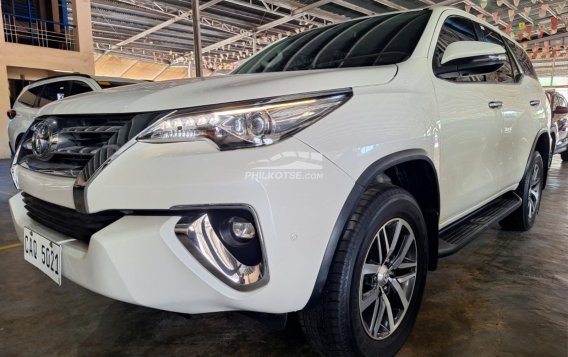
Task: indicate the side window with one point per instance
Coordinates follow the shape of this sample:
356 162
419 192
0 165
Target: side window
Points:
52 92
29 97
523 59
78 87
455 29
505 74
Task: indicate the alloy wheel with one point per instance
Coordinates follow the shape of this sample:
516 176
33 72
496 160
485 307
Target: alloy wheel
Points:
388 278
534 191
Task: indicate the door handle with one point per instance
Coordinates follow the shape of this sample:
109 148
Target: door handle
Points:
534 102
495 104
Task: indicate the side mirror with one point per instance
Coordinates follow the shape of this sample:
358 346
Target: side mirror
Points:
11 114
560 110
467 58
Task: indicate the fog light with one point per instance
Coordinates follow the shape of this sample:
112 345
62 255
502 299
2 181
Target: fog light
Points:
242 228
239 264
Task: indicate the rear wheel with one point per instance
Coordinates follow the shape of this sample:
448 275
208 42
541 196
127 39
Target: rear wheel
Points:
376 280
564 155
530 190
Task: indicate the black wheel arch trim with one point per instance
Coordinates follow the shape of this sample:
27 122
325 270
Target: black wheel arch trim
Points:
541 132
362 183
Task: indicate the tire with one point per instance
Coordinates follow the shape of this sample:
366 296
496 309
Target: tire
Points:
564 155
530 191
340 322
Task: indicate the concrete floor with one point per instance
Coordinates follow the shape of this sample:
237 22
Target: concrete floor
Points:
506 294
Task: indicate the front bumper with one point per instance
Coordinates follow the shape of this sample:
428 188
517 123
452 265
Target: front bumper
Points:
139 259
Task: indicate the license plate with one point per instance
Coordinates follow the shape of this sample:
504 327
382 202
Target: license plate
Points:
43 254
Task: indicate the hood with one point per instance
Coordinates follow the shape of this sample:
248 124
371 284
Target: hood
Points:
186 93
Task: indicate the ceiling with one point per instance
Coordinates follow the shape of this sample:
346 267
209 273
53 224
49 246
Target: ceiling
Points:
161 31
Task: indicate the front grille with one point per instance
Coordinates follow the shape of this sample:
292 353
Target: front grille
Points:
81 142
68 221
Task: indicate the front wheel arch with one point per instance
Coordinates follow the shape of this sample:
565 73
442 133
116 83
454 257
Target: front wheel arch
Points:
394 168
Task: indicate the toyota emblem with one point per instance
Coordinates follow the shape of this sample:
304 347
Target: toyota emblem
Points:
44 140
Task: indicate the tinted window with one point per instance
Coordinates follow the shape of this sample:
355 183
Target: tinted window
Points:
455 29
505 74
29 97
523 58
374 41
53 91
78 87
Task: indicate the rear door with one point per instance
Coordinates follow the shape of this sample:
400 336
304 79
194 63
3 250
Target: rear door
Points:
533 100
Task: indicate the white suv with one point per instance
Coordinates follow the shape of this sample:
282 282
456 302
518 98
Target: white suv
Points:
326 176
44 91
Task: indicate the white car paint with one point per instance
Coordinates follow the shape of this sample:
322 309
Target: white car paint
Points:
478 153
464 49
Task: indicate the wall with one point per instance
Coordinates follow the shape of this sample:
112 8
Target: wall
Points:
20 60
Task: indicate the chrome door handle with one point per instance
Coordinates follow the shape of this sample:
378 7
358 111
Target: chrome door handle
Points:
534 102
495 104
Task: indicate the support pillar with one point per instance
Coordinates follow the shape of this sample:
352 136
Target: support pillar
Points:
197 37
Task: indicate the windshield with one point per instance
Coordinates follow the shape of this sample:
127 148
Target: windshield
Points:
374 41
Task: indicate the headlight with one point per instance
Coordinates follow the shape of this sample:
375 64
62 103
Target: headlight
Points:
245 125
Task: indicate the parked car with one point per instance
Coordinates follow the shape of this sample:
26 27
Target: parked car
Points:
325 177
559 122
44 91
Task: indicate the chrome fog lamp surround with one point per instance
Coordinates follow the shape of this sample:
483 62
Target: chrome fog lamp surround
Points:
199 237
13 170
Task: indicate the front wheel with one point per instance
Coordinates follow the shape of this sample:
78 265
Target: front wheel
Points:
376 280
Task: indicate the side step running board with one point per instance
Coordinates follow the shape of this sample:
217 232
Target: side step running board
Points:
459 234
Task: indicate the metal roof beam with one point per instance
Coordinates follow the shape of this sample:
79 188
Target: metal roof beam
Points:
292 5
131 28
269 7
295 14
166 23
391 4
354 7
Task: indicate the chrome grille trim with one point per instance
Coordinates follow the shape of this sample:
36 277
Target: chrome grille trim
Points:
75 141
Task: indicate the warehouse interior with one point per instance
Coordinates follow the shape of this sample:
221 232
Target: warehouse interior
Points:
502 295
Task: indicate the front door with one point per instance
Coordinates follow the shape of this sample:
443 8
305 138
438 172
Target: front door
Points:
471 159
